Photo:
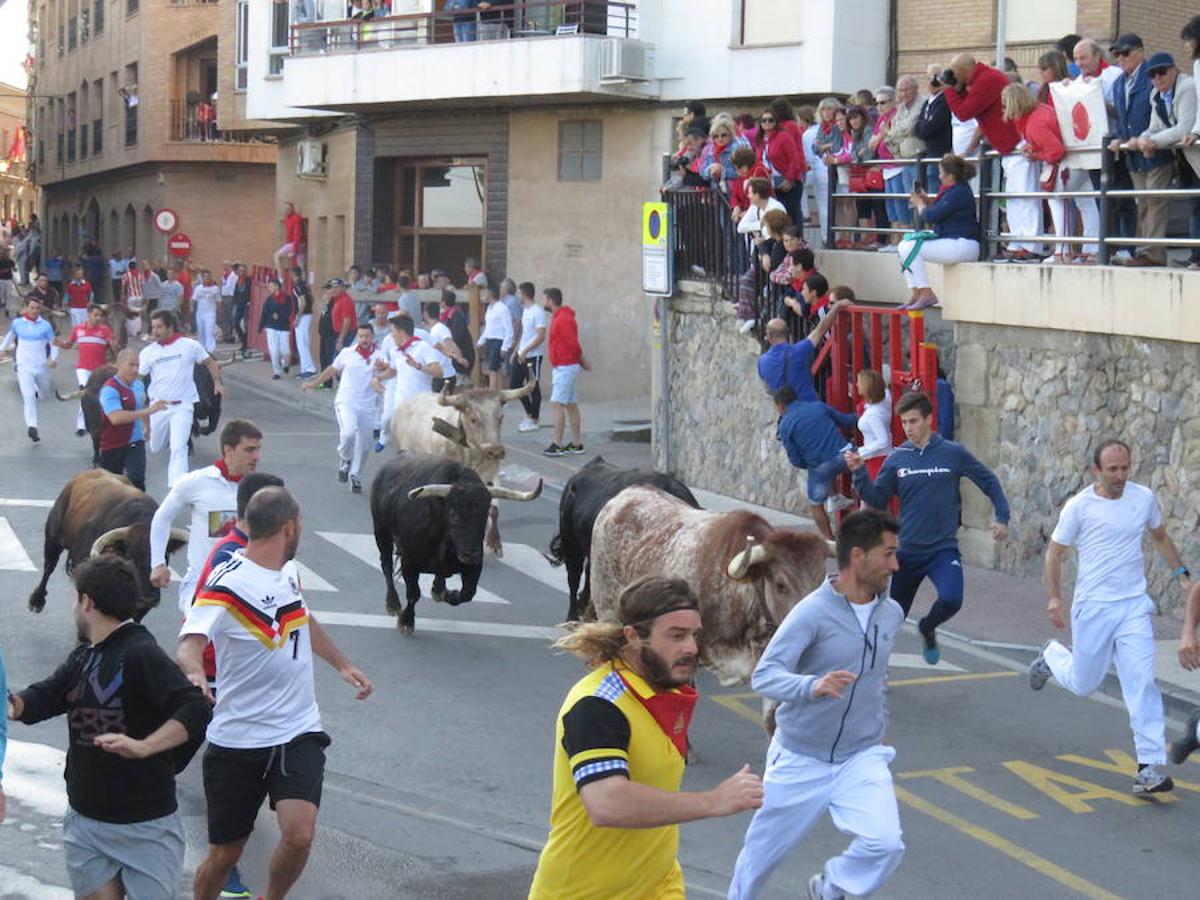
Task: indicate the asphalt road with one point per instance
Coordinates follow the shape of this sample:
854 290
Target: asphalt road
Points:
438 785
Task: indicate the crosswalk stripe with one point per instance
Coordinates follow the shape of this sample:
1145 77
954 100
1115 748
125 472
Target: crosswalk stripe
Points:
363 547
311 581
914 661
12 554
444 626
530 562
40 504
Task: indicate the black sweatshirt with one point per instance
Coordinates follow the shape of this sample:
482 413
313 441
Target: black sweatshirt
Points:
125 684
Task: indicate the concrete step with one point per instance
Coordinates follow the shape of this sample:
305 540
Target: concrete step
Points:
631 431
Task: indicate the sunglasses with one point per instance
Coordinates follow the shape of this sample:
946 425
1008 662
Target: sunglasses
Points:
1158 73
766 119
883 101
1119 54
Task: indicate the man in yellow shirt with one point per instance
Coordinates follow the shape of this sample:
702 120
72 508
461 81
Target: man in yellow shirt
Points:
619 750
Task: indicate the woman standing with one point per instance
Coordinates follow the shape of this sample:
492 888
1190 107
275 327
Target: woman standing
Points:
856 149
783 158
276 320
951 216
826 144
303 299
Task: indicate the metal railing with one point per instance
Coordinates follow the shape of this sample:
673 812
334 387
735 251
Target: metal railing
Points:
188 124
515 20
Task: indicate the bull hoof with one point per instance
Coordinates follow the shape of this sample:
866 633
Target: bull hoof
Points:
454 598
438 596
393 606
37 602
405 630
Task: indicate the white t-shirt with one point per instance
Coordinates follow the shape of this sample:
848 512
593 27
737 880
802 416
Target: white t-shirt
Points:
876 426
410 381
439 333
258 623
355 386
442 359
171 369
862 612
533 317
1108 537
229 284
205 298
497 325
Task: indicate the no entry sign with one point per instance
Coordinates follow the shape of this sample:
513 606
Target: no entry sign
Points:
179 245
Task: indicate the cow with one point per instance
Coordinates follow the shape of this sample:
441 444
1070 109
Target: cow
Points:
431 513
582 499
746 573
462 427
98 512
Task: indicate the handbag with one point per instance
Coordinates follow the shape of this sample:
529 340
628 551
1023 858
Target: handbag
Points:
1048 177
864 179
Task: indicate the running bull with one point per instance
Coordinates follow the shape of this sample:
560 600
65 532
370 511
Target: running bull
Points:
583 497
98 512
431 513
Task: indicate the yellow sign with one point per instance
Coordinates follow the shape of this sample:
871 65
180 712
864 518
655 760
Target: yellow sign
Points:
654 225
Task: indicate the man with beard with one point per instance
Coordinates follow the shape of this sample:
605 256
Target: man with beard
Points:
619 750
827 668
266 738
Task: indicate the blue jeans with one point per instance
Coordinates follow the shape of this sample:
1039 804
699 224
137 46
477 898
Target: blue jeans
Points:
933 179
944 569
464 31
821 478
897 209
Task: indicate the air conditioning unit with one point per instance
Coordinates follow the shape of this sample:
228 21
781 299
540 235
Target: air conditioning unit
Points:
310 159
623 60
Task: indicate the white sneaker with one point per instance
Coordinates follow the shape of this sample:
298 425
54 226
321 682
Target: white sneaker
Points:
837 502
528 425
1121 257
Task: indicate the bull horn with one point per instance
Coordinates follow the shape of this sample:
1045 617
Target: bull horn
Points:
753 554
445 398
503 493
180 535
831 549
430 490
518 393
108 538
74 395
222 363
57 313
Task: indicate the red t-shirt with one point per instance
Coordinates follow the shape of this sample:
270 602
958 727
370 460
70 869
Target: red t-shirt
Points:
79 294
293 230
185 278
343 311
93 345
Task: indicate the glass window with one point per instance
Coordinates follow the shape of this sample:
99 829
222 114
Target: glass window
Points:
279 37
771 22
241 52
452 197
580 149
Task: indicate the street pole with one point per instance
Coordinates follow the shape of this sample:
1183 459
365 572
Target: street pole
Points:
664 385
1001 31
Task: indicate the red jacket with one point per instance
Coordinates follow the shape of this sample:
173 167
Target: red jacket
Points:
797 135
1040 131
293 229
564 338
785 156
343 312
739 197
981 102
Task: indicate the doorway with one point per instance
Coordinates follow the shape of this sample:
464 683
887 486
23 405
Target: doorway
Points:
440 208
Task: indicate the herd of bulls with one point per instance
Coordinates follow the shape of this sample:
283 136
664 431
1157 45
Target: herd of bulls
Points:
433 507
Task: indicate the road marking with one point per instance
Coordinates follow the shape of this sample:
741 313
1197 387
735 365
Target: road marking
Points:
1052 784
363 547
938 679
311 581
1016 852
12 554
40 504
1124 764
530 563
952 778
916 661
444 626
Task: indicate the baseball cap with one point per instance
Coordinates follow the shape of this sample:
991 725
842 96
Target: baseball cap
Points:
1126 42
335 282
1160 60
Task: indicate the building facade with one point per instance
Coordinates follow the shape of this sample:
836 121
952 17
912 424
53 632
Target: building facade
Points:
18 195
128 117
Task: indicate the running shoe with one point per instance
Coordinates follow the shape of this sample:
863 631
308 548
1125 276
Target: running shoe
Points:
816 888
355 485
379 446
1185 746
33 434
931 654
275 377
576 449
1039 671
80 432
554 450
234 886
344 471
1152 780
528 425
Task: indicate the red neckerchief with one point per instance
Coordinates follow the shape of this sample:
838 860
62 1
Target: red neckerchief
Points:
860 407
822 302
224 470
169 341
409 343
446 315
672 710
365 352
29 317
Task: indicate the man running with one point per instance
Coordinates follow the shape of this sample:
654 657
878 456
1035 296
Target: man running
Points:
410 365
209 497
170 362
1189 658
80 296
265 739
1110 615
924 473
36 355
123 414
619 745
827 668
206 297
357 393
94 339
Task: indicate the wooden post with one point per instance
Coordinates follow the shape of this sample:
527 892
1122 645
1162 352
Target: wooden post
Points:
475 320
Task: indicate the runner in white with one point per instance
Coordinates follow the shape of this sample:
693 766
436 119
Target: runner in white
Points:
443 342
36 355
169 362
206 296
354 405
208 497
411 364
1110 615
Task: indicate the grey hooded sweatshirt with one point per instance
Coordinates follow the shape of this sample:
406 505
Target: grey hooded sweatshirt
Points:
820 635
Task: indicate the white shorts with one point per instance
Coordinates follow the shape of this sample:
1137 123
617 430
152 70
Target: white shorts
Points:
562 384
286 250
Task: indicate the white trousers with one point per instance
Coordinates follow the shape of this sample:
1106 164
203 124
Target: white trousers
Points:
172 425
820 186
304 343
1119 631
78 316
1060 212
81 376
133 326
279 348
940 250
1024 215
798 789
354 434
384 422
206 329
34 384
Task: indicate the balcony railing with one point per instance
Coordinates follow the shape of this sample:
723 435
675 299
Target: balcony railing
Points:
190 123
517 20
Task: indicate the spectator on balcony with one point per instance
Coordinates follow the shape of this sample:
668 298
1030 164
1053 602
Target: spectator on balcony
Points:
1172 119
758 190
1066 46
769 243
866 99
465 23
975 94
806 118
934 129
793 244
206 120
856 150
293 241
1092 64
894 138
783 158
1131 103
1190 35
1053 67
747 165
785 364
951 216
813 301
826 145
716 157
744 125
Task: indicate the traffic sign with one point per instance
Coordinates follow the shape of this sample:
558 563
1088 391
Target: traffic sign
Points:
658 276
166 221
179 245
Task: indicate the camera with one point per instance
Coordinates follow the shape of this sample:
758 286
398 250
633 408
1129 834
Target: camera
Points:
947 78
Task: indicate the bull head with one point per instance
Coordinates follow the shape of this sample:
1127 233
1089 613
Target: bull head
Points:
754 554
518 393
445 398
115 536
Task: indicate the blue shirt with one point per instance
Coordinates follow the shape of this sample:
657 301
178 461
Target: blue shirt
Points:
54 268
794 361
110 402
952 215
926 481
809 433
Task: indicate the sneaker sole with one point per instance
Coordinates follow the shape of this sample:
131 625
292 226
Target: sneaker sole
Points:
1164 787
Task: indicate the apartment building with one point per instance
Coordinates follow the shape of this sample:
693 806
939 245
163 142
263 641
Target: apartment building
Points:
18 196
130 108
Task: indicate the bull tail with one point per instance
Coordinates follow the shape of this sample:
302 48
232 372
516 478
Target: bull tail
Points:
214 415
557 555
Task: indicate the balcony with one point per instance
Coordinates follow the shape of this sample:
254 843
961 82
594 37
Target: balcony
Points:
530 49
197 123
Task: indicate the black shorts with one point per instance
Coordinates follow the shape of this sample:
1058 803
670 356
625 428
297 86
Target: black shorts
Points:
493 360
236 781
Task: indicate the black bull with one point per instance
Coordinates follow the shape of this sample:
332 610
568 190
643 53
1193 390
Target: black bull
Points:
582 499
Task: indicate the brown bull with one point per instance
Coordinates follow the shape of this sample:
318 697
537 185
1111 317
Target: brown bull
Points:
746 573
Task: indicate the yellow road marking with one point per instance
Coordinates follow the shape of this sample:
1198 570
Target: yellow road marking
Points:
939 679
1053 785
1028 858
1124 764
952 777
736 703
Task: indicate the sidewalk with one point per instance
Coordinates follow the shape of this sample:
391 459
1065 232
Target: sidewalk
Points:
1001 612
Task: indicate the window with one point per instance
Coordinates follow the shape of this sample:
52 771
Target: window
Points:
72 33
770 22
83 141
131 6
241 53
580 146
62 39
98 17
97 137
279 38
85 26
439 215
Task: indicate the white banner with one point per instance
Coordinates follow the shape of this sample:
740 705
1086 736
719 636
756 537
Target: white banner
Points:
1082 119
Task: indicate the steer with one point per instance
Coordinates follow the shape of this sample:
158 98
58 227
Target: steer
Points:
98 512
431 513
582 499
746 573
